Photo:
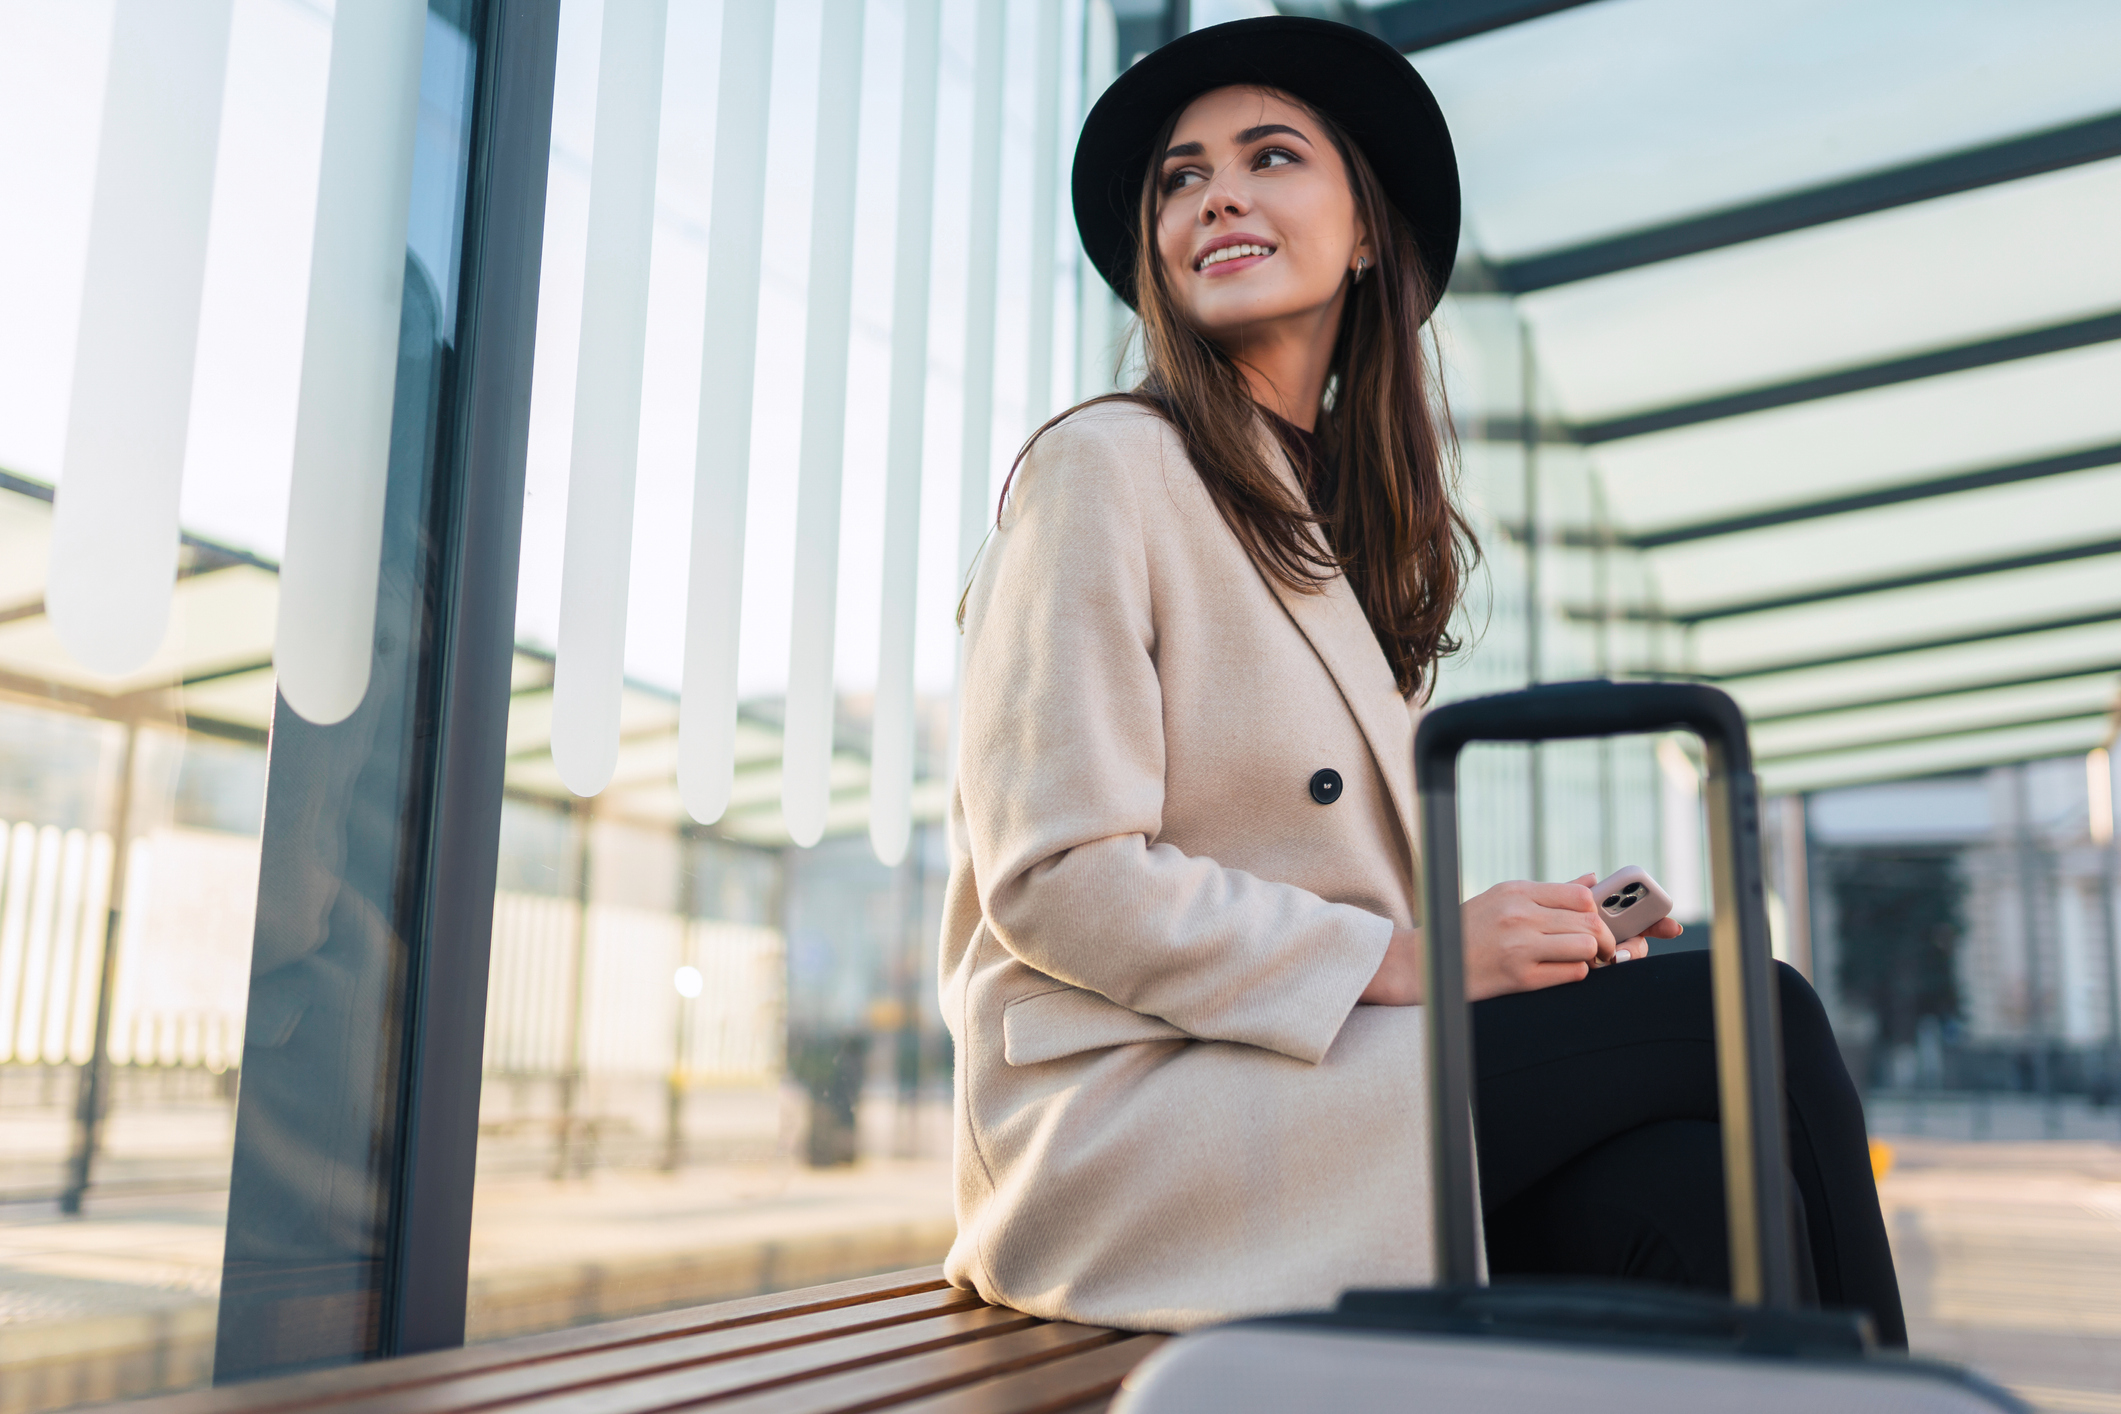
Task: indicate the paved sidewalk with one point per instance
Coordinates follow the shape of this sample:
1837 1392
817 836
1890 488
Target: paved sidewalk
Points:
2009 1256
123 1302
2010 1261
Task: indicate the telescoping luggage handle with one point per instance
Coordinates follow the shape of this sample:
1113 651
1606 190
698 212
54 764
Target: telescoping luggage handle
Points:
1748 1036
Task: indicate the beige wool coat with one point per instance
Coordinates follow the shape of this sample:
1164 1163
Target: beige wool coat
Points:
1170 1109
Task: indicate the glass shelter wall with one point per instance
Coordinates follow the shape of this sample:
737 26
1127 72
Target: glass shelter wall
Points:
711 989
794 283
232 346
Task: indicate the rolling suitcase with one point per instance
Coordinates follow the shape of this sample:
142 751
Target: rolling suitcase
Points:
1586 1348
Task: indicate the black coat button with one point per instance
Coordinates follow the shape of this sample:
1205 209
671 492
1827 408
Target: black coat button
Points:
1325 786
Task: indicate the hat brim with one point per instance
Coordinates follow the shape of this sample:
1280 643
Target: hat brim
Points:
1363 83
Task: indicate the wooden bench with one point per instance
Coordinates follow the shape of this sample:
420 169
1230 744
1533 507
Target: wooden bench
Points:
903 1341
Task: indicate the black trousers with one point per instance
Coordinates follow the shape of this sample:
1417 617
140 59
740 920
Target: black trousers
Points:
1600 1154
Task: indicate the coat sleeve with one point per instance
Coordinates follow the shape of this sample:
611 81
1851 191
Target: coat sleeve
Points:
1061 777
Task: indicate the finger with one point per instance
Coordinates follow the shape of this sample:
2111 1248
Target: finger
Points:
1666 928
1560 922
1575 897
1555 974
1578 946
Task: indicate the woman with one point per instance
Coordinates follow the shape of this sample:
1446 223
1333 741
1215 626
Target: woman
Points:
1179 954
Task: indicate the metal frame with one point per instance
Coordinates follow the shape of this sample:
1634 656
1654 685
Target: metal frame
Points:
1968 170
1980 353
1748 1028
383 1172
426 1281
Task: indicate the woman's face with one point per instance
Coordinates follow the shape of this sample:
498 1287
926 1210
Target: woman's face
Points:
1257 219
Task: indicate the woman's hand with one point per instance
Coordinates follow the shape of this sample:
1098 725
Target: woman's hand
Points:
1519 937
1399 977
1522 936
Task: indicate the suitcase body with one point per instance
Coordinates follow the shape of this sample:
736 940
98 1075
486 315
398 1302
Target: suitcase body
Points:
1253 1368
1584 1347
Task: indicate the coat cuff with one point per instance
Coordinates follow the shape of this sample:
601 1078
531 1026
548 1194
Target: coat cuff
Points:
1323 1008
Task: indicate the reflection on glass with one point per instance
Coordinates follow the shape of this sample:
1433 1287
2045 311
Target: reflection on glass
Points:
315 1153
136 869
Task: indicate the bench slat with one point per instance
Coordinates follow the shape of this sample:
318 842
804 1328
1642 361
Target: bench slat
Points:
901 1341
643 1360
328 1387
725 1378
890 1385
1082 1381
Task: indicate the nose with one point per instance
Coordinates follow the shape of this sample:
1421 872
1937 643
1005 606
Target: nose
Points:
1221 198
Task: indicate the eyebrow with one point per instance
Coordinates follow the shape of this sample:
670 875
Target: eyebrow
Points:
1249 135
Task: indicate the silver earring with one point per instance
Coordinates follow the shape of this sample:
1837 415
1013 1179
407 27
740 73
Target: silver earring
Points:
1362 267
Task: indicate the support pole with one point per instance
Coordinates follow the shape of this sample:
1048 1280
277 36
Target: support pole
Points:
571 1077
93 1098
1533 589
2029 915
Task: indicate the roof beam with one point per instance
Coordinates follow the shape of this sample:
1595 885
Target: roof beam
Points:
2110 614
1981 353
1773 781
1901 699
1973 569
2006 475
1413 25
2047 151
1943 734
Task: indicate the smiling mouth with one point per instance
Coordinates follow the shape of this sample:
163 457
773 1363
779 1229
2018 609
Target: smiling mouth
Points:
1231 252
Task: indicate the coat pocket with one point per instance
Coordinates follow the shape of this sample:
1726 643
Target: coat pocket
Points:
1047 1026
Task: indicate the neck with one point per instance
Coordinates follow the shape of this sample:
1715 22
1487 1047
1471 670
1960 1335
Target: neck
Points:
1286 361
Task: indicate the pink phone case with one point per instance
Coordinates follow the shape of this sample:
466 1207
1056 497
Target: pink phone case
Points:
1630 901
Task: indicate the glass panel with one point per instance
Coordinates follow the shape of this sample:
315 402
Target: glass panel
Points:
1835 296
810 1140
139 973
2088 696
2090 649
1958 422
1917 536
715 1064
1931 758
1931 611
1631 113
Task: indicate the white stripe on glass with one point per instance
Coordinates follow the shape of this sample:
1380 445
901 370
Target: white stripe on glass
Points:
322 647
806 747
1096 305
589 666
980 268
714 592
1045 181
114 521
891 745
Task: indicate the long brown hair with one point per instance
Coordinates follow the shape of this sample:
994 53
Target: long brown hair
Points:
1390 521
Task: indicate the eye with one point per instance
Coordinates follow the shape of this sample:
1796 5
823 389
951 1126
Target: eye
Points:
1275 157
1181 178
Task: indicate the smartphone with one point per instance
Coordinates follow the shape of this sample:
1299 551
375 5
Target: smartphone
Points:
1630 901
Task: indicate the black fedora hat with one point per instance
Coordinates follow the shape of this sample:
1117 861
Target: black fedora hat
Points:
1363 83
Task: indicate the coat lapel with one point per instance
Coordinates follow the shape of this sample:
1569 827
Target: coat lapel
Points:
1339 632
